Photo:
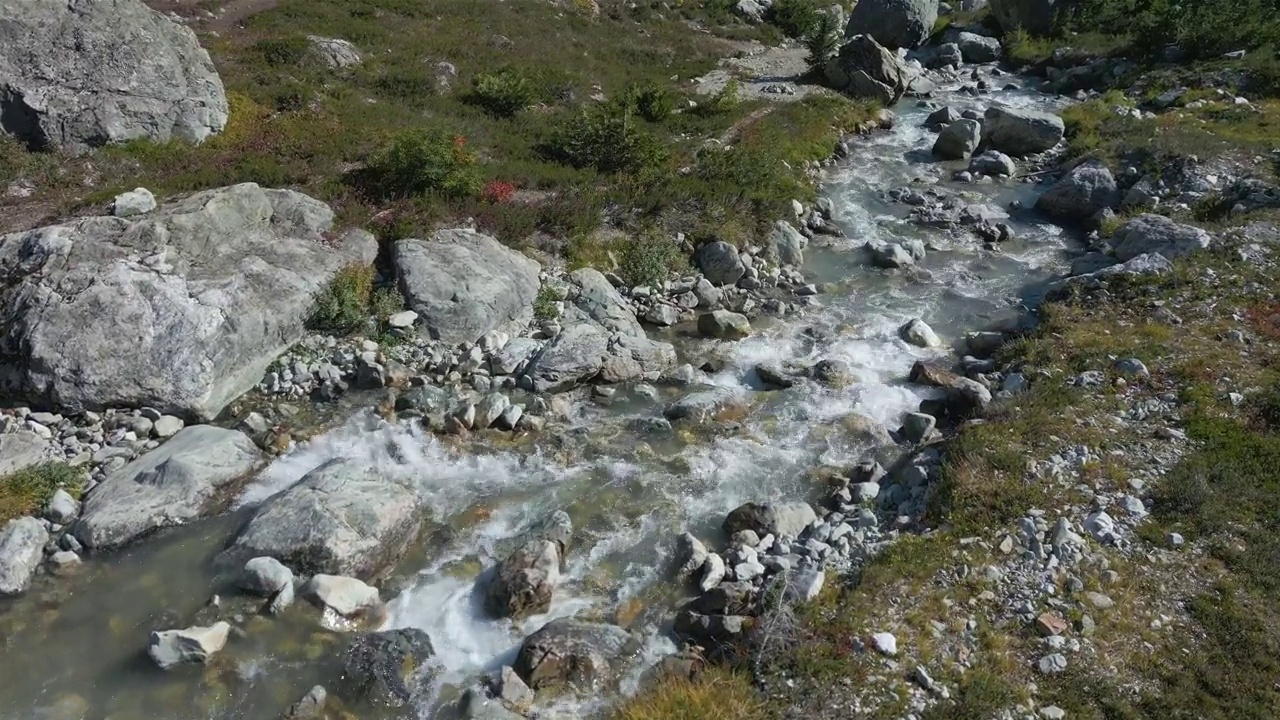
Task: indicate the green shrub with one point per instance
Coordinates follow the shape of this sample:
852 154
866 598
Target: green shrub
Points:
424 162
278 52
652 102
609 141
1203 28
411 85
544 305
822 42
795 18
725 101
343 307
28 490
503 93
649 259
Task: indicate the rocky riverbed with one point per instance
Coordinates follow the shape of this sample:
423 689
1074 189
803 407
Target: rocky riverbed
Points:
483 476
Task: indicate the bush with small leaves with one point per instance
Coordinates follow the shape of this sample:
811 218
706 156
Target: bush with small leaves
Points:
424 162
343 307
648 259
610 141
652 102
795 18
503 93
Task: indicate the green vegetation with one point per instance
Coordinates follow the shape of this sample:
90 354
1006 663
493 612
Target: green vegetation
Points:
424 162
715 694
649 259
652 102
27 491
544 305
503 93
795 18
822 42
608 140
343 307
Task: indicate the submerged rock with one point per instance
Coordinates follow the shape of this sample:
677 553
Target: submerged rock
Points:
184 479
524 582
192 645
587 656
702 406
392 668
22 542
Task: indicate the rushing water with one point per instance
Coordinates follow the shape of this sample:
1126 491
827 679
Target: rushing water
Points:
79 641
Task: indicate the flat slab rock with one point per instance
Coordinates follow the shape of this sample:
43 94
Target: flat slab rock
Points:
342 518
184 479
181 309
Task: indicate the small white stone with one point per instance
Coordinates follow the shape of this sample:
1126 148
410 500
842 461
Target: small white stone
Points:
135 202
885 643
166 426
403 320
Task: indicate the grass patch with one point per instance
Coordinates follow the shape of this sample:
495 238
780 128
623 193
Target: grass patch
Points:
716 693
27 491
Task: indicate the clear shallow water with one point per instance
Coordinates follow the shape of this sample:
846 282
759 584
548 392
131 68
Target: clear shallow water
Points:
628 492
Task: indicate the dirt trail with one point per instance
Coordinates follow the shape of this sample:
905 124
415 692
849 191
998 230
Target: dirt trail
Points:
224 16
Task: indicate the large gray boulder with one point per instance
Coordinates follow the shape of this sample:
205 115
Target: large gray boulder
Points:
525 580
597 301
181 310
894 23
575 356
22 449
571 652
780 519
975 48
1080 194
1157 235
864 68
958 140
392 668
1020 132
464 284
1034 16
186 478
21 549
76 74
342 518
720 263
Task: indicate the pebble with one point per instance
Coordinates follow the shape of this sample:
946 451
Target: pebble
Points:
1052 664
885 643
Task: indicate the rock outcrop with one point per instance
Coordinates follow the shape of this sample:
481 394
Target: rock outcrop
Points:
1157 235
77 74
184 479
864 68
182 309
894 23
464 284
342 518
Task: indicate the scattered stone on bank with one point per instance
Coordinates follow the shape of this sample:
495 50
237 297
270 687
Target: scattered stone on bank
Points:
993 163
79 75
690 555
524 583
885 643
22 542
783 520
184 479
724 325
265 576
392 668
342 518
62 508
918 427
584 655
720 263
1019 132
168 648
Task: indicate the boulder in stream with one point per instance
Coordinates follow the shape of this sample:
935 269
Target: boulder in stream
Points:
345 596
181 309
342 518
186 478
584 655
22 542
894 23
993 162
392 668
917 332
1020 132
192 645
704 405
78 74
958 140
864 68
1080 194
525 581
783 520
724 325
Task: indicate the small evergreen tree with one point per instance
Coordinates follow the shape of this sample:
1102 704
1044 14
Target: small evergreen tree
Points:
822 42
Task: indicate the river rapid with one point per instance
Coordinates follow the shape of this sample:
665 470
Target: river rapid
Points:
76 645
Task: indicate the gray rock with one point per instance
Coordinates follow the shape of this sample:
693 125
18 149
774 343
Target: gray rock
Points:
23 449
186 478
601 304
510 418
890 256
62 508
309 706
993 162
1157 234
864 68
512 690
946 55
1036 17
804 584
336 54
1020 132
720 263
265 576
111 312
1052 664
978 48
701 406
783 520
22 544
392 668
662 315
690 554
918 427
713 572
464 284
138 201
489 409
513 356
571 652
524 583
342 518
894 23
346 596
168 648
941 118
575 356
1080 194
724 325
787 244
917 332
711 631
958 140
167 426
80 74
